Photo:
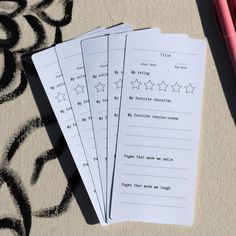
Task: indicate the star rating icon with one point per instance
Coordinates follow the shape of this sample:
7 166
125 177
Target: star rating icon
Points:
100 87
118 83
176 87
162 86
189 88
136 84
79 89
149 85
60 97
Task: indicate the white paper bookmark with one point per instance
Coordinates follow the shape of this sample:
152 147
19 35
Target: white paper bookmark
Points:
158 130
50 75
116 50
95 63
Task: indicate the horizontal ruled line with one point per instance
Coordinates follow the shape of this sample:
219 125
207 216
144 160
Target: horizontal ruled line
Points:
157 176
158 137
102 111
69 119
153 195
172 52
118 49
159 147
148 204
86 112
153 127
177 112
50 64
95 53
149 60
77 145
81 154
180 63
89 129
72 55
161 167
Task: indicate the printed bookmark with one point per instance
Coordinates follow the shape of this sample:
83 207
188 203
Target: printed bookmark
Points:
158 130
95 63
50 75
116 50
71 62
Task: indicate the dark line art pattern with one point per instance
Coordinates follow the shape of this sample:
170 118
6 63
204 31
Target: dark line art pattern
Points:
21 5
14 35
15 184
35 16
21 226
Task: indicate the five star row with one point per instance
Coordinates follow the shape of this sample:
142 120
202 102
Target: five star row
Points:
163 86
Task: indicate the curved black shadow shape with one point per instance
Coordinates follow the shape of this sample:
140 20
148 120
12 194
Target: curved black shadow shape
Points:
12 30
19 90
219 52
12 224
39 31
21 5
55 134
21 226
9 69
67 12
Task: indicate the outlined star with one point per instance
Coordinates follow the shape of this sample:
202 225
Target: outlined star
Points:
79 89
162 86
136 84
100 87
118 83
60 97
176 87
189 88
149 85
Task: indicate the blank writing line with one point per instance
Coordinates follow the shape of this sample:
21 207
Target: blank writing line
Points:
158 147
94 53
156 176
172 52
86 112
81 154
153 195
89 129
146 204
69 119
78 145
102 112
50 64
153 127
149 60
149 136
161 167
73 55
146 109
118 49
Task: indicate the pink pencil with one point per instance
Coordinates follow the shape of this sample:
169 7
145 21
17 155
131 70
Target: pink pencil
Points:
227 28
